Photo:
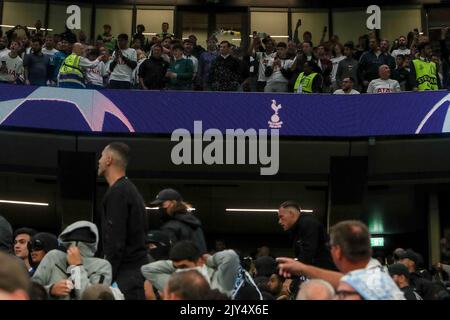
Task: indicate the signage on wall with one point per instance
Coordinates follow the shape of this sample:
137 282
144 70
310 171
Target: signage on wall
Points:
374 20
377 242
74 20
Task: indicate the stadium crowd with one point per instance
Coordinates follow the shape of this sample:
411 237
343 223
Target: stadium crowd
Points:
122 258
163 62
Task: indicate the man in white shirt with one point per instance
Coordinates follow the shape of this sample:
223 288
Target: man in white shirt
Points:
401 48
278 70
49 47
262 58
11 65
123 64
347 87
3 46
383 84
95 77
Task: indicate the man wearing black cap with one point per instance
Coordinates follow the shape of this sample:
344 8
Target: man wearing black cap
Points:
123 221
159 245
178 222
400 274
41 244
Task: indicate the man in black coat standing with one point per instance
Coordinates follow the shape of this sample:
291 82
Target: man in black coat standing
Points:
123 222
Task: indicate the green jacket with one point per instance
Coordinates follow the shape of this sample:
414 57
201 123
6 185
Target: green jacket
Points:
185 71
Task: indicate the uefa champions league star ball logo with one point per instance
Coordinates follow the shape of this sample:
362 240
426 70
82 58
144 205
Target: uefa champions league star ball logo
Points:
275 122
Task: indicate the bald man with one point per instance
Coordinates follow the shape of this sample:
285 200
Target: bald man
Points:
384 84
316 289
123 222
72 71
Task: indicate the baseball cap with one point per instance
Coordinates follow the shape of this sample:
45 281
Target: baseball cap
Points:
166 194
157 236
411 255
398 269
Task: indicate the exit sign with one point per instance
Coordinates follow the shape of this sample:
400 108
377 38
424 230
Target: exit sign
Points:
377 242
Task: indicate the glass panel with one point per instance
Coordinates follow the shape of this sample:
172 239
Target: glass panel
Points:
229 27
350 25
25 13
58 17
273 23
397 22
152 19
118 17
195 23
313 22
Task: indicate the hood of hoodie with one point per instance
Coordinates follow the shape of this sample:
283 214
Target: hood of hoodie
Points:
86 249
6 236
188 218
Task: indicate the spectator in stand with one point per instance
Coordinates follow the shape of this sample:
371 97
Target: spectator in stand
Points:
278 71
96 77
80 240
108 39
275 286
362 47
338 56
50 51
41 244
38 32
22 237
135 75
401 74
262 58
384 84
402 49
73 70
166 47
152 72
423 72
11 65
225 70
123 64
308 81
197 49
291 49
187 285
315 289
307 37
15 283
180 72
12 33
178 222
158 245
140 28
37 65
165 31
204 64
123 221
371 61
400 275
221 269
188 54
390 60
304 55
3 46
137 44
347 87
69 36
326 67
82 38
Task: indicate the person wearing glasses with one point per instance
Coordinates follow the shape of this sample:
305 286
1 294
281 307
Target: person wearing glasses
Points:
347 87
41 244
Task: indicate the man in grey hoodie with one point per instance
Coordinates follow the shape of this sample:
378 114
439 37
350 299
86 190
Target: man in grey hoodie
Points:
67 275
221 270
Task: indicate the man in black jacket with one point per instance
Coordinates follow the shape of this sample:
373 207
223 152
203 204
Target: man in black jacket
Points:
225 70
152 72
310 237
123 222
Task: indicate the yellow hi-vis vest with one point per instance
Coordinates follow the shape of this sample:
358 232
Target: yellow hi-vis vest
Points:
305 82
425 75
70 70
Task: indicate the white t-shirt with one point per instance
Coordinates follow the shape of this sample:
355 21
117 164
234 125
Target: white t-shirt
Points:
122 72
14 66
383 86
263 60
4 52
95 75
405 52
276 75
335 62
50 53
340 91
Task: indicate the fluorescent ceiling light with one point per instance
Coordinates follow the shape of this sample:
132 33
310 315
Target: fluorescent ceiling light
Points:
30 28
156 208
261 210
251 36
25 203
